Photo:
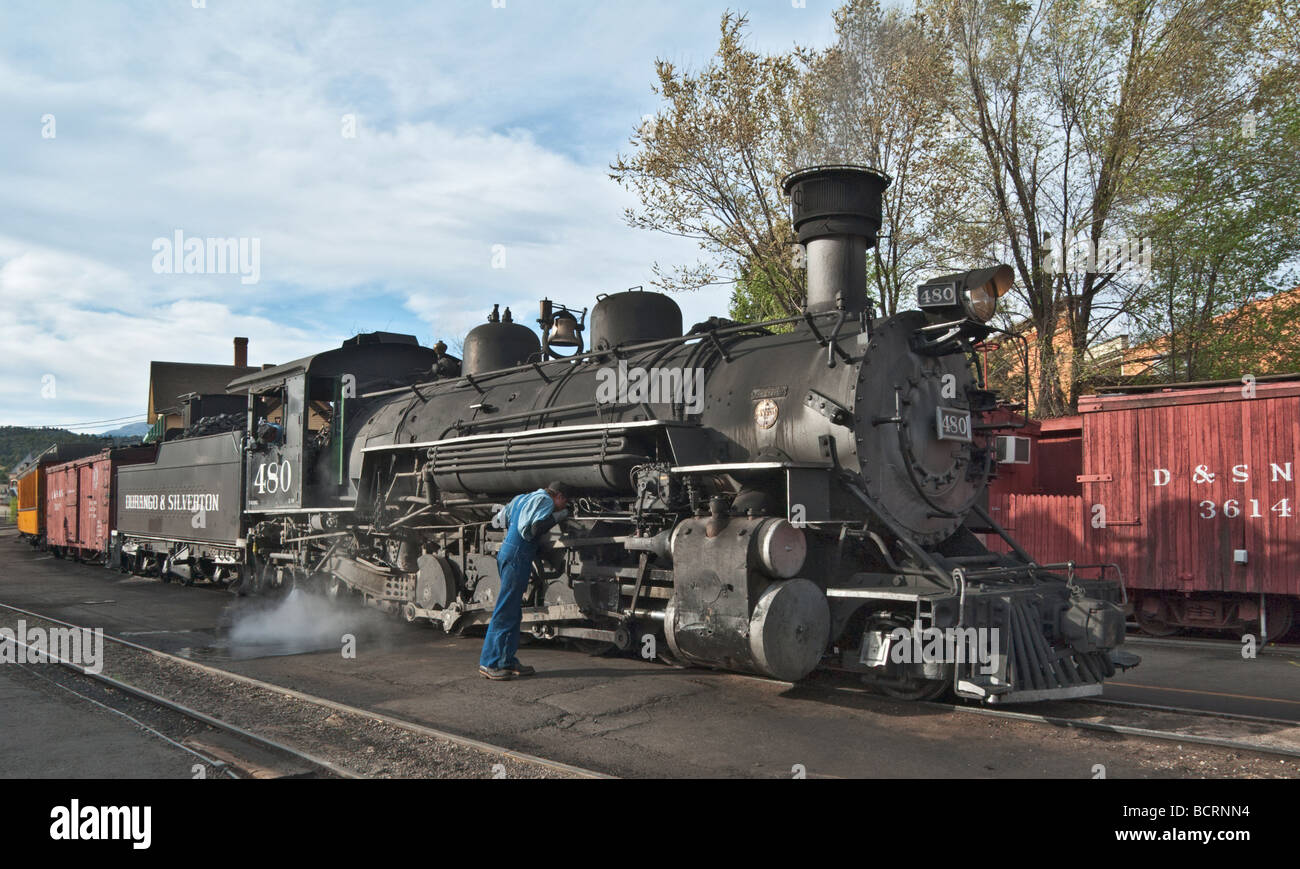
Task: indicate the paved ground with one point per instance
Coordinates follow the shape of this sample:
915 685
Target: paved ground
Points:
622 716
47 733
1213 676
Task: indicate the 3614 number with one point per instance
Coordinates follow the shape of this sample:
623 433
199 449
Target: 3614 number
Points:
1233 509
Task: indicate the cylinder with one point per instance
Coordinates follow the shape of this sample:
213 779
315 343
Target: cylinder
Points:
837 273
782 548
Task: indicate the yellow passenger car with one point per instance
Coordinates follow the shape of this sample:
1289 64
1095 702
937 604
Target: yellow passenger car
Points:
31 502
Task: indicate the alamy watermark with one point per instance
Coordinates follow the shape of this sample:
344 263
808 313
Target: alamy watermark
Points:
1106 256
75 822
179 255
80 646
1081 255
918 645
656 385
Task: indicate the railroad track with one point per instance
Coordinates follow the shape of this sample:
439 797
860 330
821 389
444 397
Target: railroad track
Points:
319 764
1189 710
1271 647
1079 715
229 757
1166 735
1180 723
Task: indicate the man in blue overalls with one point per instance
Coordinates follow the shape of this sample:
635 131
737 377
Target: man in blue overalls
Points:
525 519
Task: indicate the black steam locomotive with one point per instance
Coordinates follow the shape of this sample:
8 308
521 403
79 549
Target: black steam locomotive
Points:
769 498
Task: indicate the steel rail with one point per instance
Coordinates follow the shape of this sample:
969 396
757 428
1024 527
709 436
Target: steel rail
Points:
210 761
1122 729
1288 649
1188 710
411 726
186 711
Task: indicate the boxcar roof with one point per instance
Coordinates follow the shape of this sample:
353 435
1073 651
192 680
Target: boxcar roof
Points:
56 454
1206 392
120 455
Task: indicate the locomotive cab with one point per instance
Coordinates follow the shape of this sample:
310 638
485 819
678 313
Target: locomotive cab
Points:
297 436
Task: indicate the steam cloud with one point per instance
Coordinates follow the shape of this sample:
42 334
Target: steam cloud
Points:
299 623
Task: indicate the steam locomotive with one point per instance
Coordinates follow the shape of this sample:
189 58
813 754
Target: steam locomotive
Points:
767 498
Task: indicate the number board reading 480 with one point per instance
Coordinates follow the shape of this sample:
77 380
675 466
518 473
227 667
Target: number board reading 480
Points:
953 424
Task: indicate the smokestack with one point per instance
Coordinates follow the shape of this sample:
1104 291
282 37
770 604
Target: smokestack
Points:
241 352
836 212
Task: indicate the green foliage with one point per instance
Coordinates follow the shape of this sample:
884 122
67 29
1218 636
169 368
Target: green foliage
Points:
753 299
1010 128
708 166
17 442
1224 218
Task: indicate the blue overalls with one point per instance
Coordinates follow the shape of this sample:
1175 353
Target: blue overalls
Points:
515 563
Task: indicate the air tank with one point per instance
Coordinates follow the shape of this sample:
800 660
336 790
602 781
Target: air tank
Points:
499 343
633 317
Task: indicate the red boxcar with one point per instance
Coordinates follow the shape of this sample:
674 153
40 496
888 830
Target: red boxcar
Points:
1190 490
81 498
1037 502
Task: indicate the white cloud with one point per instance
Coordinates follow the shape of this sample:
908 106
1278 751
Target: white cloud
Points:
97 353
477 127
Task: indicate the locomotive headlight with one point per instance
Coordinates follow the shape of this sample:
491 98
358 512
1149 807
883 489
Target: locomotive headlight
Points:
972 294
983 287
980 304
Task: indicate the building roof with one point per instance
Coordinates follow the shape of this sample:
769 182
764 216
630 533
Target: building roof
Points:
168 381
1241 320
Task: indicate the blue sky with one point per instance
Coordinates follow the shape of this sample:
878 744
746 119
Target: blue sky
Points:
476 127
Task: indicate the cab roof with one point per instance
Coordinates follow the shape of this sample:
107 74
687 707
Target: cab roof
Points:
365 356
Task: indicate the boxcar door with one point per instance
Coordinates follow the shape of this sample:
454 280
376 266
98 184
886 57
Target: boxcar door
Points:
96 501
1114 471
81 528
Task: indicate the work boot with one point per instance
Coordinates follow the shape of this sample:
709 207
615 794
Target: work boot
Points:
519 669
496 674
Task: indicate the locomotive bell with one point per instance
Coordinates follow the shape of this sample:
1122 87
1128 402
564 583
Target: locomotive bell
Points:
566 330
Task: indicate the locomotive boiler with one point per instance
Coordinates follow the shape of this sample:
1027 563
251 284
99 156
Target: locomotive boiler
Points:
767 498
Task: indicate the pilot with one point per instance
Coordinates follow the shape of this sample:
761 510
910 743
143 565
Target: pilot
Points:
526 519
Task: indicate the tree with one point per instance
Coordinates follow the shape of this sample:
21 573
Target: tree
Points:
877 97
1019 131
1225 212
707 167
1068 102
754 300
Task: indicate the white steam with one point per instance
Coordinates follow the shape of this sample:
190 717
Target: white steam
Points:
298 623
